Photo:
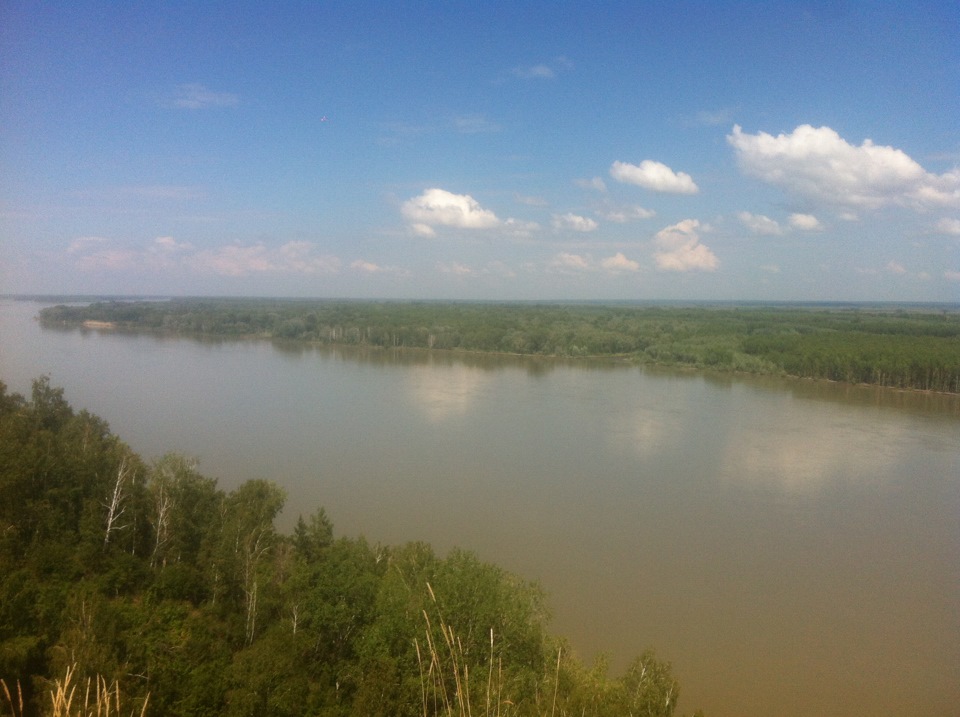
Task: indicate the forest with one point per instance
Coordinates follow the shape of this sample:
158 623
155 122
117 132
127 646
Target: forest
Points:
894 347
175 597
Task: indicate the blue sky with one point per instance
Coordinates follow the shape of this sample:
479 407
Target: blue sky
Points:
762 151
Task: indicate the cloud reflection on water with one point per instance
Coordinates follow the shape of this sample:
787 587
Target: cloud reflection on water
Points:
801 452
443 392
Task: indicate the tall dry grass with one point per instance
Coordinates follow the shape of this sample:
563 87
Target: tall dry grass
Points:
16 708
100 698
445 675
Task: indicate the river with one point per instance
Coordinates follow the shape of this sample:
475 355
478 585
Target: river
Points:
792 547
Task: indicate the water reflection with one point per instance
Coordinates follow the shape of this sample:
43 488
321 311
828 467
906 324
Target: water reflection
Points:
646 430
447 391
807 454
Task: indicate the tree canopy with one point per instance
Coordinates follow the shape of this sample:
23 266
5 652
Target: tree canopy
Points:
916 349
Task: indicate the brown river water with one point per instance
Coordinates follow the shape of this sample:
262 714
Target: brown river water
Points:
793 548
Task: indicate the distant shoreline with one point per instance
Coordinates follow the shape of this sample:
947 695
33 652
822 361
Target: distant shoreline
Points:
894 346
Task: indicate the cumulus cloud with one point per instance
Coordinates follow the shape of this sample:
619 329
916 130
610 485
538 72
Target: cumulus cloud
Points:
654 176
760 224
566 261
619 263
805 222
624 214
816 163
438 207
679 248
952 275
949 226
574 222
194 96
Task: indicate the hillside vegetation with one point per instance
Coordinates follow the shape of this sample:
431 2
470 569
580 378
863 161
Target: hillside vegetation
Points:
152 581
901 349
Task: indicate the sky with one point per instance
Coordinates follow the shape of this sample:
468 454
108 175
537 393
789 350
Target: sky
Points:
781 151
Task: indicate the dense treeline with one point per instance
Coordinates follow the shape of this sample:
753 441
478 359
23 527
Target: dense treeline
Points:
904 349
151 575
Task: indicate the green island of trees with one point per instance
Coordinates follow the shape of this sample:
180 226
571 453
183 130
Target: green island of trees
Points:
910 349
187 600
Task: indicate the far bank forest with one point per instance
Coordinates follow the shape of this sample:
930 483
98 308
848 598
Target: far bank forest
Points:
894 347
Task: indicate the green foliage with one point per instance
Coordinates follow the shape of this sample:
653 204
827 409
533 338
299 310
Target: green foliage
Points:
152 578
904 349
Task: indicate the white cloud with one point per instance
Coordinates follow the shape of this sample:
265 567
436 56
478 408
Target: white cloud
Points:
805 222
423 230
654 176
715 117
123 260
95 253
624 214
520 229
295 257
895 267
194 96
169 245
570 261
83 244
166 252
949 226
531 201
952 275
679 248
534 72
455 268
618 263
595 183
367 267
760 224
438 207
770 268
815 162
574 222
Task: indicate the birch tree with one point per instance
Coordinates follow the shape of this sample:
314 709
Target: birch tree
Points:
117 498
249 538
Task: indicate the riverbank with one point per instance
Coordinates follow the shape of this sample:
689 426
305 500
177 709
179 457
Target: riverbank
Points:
893 348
